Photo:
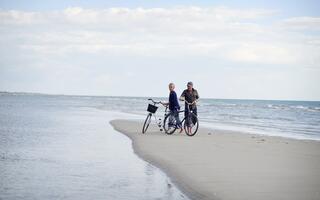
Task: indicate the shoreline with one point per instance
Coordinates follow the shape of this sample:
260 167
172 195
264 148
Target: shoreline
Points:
218 164
158 163
234 129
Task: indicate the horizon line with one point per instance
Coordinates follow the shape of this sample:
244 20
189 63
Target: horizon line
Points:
85 95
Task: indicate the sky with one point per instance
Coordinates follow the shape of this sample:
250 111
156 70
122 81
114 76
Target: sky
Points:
228 49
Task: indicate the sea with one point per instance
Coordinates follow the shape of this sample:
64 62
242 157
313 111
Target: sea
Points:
63 147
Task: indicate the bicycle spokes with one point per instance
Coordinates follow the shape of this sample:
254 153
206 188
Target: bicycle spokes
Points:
172 121
191 125
170 124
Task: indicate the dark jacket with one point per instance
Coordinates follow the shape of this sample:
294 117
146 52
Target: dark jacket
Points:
190 96
173 101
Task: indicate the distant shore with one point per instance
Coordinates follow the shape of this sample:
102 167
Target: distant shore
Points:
217 164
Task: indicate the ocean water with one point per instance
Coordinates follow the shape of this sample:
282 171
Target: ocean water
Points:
62 147
293 119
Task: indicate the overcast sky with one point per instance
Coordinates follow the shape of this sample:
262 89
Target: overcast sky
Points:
237 49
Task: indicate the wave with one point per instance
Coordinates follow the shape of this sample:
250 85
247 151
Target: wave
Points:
293 107
300 107
272 116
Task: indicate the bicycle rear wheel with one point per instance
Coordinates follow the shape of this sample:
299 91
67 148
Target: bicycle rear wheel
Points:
170 124
191 125
146 123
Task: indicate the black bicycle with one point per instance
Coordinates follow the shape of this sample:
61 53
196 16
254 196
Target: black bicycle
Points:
190 122
152 109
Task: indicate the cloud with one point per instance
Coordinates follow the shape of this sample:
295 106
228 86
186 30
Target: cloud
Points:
233 35
138 15
220 33
237 53
302 23
265 52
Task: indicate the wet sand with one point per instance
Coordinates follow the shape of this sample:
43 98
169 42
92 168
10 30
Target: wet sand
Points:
217 164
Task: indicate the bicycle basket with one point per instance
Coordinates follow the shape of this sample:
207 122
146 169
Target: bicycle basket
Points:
152 108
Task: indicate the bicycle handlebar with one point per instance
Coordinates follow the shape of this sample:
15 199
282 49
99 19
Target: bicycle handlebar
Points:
159 102
155 102
188 102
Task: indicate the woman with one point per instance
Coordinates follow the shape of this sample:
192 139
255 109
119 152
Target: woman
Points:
174 106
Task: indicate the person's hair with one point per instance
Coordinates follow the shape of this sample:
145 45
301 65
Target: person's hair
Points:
171 84
190 83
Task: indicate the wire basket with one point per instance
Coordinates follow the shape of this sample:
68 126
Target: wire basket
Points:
152 108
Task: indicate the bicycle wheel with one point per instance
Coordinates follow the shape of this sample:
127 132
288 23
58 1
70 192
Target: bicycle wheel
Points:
170 124
191 125
146 123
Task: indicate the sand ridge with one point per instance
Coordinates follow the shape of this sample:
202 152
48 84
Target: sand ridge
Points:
216 164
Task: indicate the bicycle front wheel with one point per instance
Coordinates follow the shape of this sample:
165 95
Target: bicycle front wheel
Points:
146 123
191 125
170 124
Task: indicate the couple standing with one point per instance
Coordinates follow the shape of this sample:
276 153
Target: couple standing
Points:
190 96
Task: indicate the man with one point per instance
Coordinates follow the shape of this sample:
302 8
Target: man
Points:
191 96
174 105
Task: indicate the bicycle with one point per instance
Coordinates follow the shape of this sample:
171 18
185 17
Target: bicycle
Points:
152 109
190 122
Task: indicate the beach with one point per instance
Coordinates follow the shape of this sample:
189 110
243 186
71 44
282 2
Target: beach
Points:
220 164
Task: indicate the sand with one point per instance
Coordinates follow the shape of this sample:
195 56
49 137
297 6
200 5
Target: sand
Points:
217 164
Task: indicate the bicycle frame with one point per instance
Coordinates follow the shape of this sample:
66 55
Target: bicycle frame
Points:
158 120
189 121
189 112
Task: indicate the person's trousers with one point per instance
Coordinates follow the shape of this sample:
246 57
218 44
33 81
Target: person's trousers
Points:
177 118
193 118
